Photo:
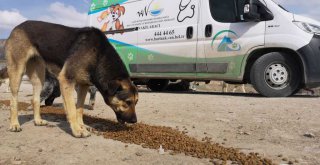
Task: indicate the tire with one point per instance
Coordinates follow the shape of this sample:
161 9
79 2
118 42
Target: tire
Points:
276 75
157 85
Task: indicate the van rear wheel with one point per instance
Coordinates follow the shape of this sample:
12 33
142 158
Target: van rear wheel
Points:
157 84
275 75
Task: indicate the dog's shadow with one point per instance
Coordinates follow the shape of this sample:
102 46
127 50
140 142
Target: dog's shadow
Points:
95 123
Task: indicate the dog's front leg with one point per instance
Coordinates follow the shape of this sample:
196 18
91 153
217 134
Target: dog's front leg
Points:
81 92
67 88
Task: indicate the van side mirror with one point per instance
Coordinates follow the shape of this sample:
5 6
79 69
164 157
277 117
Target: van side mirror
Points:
250 11
255 11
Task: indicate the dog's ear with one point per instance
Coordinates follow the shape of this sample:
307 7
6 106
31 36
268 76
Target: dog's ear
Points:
122 10
113 87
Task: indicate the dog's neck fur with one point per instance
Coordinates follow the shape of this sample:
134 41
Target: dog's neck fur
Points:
109 67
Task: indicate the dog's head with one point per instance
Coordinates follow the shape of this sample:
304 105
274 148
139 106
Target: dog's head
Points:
117 11
122 97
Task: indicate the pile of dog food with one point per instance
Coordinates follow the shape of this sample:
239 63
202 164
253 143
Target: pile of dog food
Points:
171 140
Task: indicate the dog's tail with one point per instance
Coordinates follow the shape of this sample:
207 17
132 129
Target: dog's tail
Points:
4 73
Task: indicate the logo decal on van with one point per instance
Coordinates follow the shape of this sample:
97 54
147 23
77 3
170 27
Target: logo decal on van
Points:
185 11
153 9
111 18
227 44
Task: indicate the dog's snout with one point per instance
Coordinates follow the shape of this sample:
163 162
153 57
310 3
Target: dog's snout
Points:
133 119
127 117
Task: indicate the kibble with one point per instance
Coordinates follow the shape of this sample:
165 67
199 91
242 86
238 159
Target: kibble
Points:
154 136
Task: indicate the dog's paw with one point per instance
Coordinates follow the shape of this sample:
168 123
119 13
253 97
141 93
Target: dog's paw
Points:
40 122
15 128
82 133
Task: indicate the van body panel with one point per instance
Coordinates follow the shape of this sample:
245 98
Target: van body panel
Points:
281 31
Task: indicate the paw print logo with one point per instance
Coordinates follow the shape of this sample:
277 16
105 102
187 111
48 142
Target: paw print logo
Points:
130 56
151 57
105 2
93 6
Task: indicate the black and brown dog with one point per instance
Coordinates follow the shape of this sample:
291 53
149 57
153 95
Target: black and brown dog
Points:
76 56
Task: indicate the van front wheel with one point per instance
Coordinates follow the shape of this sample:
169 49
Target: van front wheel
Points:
275 75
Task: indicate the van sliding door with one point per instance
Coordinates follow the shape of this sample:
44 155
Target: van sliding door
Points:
167 38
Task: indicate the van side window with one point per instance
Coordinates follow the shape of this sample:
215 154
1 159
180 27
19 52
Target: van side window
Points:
227 11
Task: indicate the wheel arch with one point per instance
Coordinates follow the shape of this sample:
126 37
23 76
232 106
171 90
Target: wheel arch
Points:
254 55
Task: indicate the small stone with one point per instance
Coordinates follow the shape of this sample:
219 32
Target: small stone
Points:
125 159
309 135
284 159
126 146
16 161
161 150
138 153
290 162
172 153
280 155
40 150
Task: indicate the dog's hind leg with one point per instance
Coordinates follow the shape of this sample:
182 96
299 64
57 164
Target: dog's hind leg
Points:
36 72
81 96
15 74
67 88
16 63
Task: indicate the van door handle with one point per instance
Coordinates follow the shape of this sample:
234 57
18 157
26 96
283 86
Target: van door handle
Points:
189 32
208 30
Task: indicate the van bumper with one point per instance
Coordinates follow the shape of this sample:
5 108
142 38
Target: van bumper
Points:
310 55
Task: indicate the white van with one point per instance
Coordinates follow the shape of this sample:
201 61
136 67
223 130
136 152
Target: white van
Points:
237 41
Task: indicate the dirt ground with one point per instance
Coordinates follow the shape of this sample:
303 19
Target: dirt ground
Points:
281 129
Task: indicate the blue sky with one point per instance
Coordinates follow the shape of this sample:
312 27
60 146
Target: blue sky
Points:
74 12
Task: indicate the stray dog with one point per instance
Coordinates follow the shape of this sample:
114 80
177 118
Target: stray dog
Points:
76 56
112 16
51 90
4 78
226 85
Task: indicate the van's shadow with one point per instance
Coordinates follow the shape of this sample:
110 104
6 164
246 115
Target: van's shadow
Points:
59 119
224 94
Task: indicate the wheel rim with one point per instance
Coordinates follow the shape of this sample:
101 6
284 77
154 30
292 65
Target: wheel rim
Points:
277 76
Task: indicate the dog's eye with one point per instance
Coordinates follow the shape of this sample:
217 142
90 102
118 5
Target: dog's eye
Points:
129 102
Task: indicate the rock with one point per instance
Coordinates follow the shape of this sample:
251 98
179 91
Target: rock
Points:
138 153
161 150
244 133
309 135
223 120
16 161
